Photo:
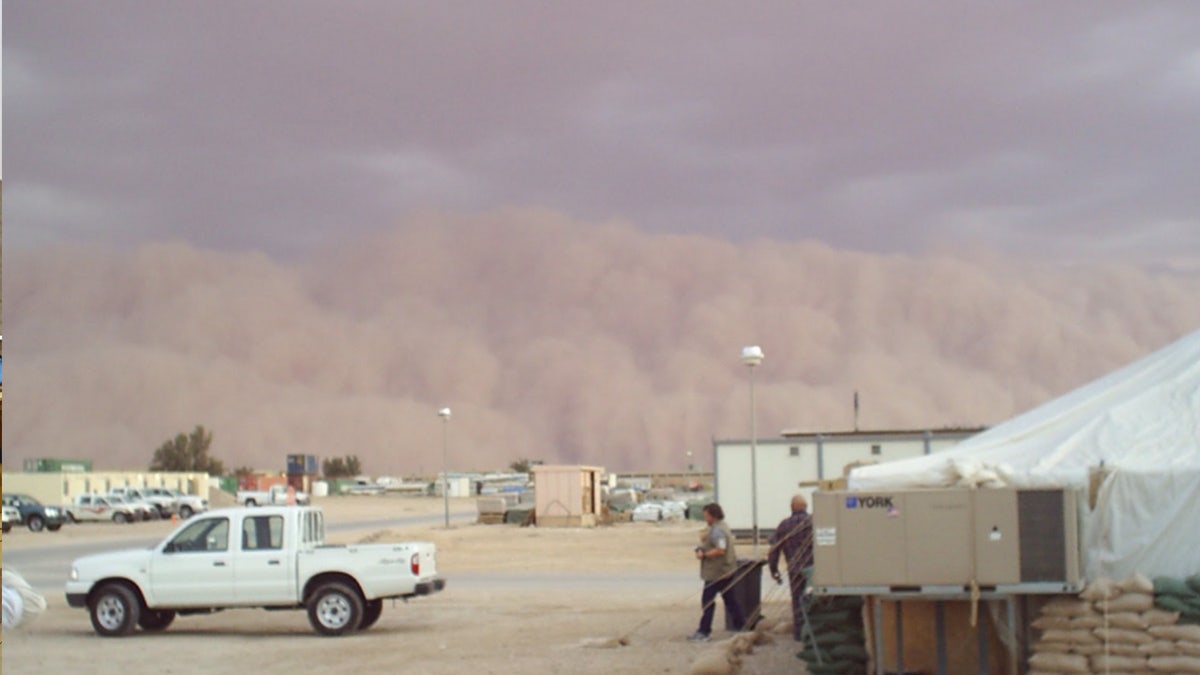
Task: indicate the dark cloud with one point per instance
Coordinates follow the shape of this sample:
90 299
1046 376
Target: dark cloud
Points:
1065 130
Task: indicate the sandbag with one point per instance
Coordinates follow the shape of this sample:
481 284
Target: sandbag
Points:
1188 648
1175 664
1159 648
1130 620
1055 647
834 667
1087 622
1062 663
849 653
1067 607
1070 637
1177 632
1127 602
1100 589
1123 635
831 638
1091 650
1160 617
1136 583
1121 649
1103 663
1187 608
1048 622
1173 586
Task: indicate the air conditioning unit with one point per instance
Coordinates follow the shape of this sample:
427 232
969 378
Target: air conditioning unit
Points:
944 541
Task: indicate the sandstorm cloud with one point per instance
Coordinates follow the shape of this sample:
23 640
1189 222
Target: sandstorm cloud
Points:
550 338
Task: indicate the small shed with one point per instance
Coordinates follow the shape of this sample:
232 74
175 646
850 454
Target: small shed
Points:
567 495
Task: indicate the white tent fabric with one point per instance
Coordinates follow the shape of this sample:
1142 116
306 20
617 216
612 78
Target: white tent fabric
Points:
1141 422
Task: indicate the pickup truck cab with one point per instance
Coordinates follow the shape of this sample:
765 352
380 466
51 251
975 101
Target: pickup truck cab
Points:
271 557
99 508
276 495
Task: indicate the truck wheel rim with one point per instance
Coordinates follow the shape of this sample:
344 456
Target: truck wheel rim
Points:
334 611
110 612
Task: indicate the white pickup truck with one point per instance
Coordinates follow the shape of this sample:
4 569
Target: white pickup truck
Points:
277 495
271 557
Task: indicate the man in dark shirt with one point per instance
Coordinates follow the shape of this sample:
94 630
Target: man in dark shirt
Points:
793 539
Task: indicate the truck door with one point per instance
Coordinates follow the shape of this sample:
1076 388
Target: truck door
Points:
194 568
264 568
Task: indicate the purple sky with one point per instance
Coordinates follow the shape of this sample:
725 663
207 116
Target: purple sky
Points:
1064 129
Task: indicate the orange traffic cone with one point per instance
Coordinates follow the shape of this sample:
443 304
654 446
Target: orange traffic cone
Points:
174 518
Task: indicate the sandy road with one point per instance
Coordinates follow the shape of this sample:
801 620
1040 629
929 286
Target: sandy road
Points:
518 601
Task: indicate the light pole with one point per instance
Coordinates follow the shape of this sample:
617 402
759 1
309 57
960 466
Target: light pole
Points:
752 356
444 413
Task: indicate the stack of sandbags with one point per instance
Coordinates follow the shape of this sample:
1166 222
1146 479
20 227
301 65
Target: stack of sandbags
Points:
1179 595
840 641
1113 627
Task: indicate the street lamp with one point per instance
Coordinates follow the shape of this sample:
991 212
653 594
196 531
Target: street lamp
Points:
444 413
752 356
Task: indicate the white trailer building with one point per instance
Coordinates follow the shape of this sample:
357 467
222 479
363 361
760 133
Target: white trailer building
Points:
797 461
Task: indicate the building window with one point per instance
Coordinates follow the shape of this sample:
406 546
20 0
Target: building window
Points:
876 449
795 451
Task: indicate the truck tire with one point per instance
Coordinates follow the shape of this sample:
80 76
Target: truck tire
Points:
155 620
115 610
185 512
119 517
55 527
251 502
335 609
35 523
7 527
71 517
371 613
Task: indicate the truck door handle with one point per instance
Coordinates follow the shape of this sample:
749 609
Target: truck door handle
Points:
219 563
272 562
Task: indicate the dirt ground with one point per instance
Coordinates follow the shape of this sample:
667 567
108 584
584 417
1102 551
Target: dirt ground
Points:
518 600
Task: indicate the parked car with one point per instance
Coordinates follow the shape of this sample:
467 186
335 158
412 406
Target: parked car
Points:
11 517
276 495
33 514
99 508
188 504
271 557
144 510
164 503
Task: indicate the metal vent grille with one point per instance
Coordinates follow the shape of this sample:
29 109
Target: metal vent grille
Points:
1043 535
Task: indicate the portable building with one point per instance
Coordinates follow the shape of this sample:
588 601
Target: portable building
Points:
567 495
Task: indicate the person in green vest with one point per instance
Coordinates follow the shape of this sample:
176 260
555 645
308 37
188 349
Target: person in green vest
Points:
718 562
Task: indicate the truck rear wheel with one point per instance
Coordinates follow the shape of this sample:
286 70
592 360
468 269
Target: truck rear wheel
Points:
371 613
36 523
155 620
120 518
335 609
185 512
115 610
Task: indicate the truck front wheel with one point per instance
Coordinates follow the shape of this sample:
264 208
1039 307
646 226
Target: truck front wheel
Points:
335 609
115 610
185 512
371 612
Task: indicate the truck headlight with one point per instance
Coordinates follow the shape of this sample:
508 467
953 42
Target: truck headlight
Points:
74 575
51 511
